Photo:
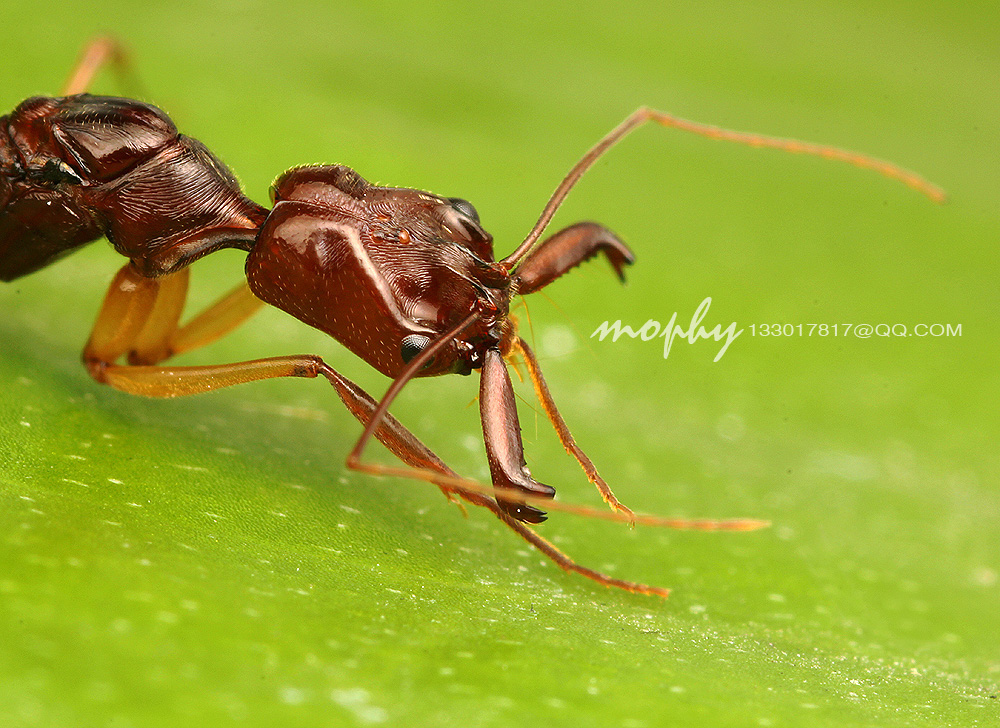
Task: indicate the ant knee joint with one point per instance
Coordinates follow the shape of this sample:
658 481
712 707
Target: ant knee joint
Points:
96 368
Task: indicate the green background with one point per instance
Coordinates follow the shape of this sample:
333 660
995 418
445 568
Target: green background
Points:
210 562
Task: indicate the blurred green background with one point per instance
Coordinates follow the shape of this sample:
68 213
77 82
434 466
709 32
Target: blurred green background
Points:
210 562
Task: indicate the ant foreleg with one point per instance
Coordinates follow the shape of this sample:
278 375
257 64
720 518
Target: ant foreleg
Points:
559 424
154 342
567 249
132 307
159 340
427 466
139 319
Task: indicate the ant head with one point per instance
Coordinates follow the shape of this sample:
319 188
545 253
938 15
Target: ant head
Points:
385 270
413 216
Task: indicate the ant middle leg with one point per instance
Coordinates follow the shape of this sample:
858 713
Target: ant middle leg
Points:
131 308
140 319
163 337
137 307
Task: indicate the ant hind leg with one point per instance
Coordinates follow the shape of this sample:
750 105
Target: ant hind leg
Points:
99 52
139 320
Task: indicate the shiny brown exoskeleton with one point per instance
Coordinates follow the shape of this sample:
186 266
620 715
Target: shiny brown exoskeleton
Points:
83 167
407 280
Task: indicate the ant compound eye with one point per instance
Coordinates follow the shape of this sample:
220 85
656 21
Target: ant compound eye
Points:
465 207
461 224
412 346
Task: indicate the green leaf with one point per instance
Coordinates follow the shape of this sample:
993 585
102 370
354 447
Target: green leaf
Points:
209 561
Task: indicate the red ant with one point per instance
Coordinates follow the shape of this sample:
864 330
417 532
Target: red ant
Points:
405 279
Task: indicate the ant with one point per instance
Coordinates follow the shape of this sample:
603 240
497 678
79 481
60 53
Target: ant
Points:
405 279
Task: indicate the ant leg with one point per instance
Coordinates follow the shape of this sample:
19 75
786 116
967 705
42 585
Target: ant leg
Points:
138 311
567 564
125 311
559 424
96 54
428 467
153 342
218 320
146 313
162 337
131 304
139 318
131 308
567 249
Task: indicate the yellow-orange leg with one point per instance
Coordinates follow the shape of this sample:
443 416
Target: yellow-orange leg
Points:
559 425
136 308
96 54
140 319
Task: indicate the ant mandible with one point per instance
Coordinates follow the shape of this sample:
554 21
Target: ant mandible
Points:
405 279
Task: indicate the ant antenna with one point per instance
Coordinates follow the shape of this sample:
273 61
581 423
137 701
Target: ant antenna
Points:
415 365
645 114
